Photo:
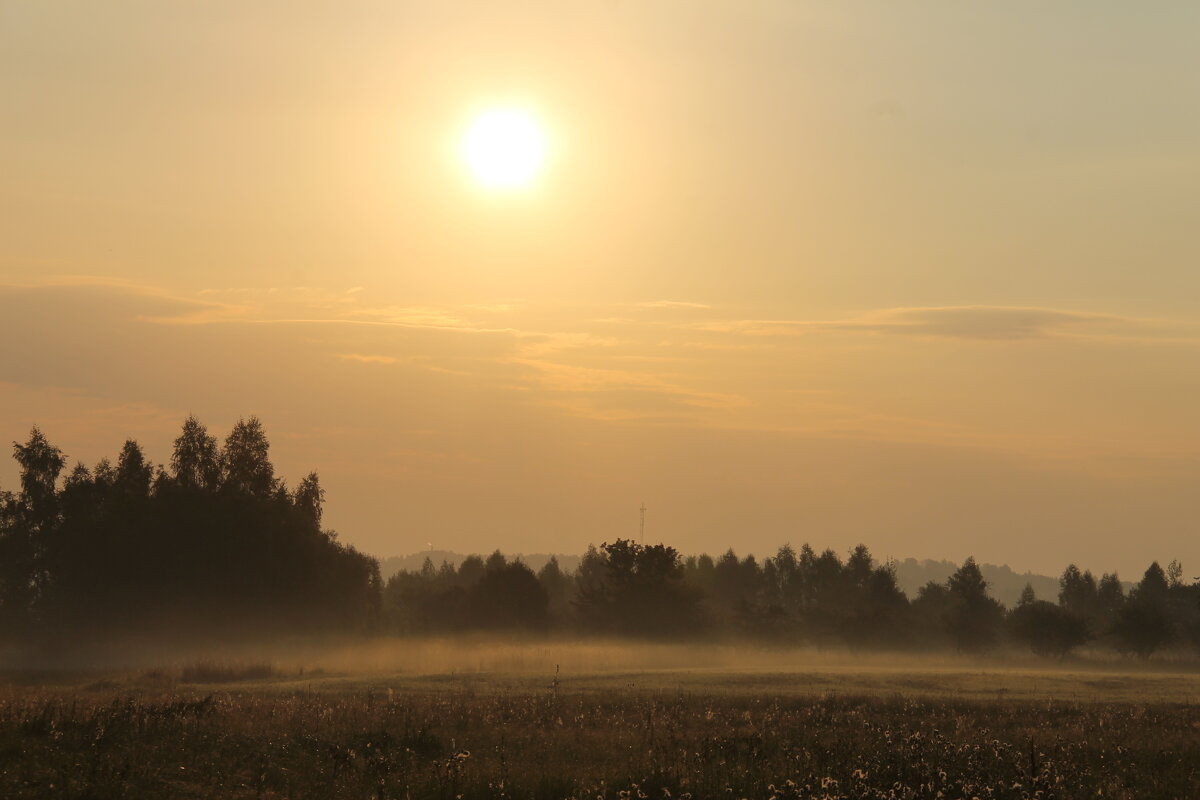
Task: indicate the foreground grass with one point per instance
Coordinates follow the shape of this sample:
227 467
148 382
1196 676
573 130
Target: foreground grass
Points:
655 735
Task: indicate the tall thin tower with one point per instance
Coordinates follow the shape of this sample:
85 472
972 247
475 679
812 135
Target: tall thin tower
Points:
642 526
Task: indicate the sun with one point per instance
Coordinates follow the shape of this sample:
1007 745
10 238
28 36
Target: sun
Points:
504 148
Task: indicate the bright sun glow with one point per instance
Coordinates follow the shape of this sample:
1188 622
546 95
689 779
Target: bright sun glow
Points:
504 148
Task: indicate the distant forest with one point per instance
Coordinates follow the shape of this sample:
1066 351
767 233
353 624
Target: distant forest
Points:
217 544
1004 583
794 597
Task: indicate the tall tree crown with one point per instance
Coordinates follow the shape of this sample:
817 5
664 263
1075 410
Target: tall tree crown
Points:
41 463
246 461
968 583
196 460
309 498
133 471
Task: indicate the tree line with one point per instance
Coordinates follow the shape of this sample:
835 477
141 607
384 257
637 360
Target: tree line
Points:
212 544
794 597
216 543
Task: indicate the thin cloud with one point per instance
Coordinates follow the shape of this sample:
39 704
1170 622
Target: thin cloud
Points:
603 385
364 358
118 298
674 304
543 344
988 323
492 308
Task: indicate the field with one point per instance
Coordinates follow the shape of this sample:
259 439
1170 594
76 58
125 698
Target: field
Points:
640 723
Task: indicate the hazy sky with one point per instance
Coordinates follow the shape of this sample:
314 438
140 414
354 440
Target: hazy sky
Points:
923 275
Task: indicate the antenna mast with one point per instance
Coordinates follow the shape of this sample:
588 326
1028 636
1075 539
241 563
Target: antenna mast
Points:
642 526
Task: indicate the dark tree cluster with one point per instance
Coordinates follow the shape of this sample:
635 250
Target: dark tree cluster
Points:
794 597
492 594
213 544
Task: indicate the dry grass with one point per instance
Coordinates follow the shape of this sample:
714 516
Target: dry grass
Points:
828 732
226 672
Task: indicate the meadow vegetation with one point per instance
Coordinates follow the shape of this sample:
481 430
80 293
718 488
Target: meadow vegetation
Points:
821 732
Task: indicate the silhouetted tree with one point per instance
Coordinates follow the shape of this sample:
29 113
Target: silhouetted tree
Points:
133 472
1047 629
1110 594
41 463
1143 624
974 619
787 571
29 525
1154 585
735 590
309 498
196 461
245 461
1110 598
425 602
470 571
495 561
497 595
882 612
1078 593
132 548
859 565
640 591
558 586
825 597
592 590
931 611
509 596
1184 605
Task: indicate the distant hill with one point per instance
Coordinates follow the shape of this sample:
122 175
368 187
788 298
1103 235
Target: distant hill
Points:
1004 583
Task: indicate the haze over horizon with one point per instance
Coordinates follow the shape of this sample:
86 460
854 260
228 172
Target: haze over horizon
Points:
922 277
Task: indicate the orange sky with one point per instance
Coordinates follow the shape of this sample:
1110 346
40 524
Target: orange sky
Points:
924 277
